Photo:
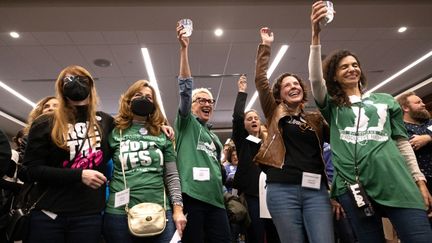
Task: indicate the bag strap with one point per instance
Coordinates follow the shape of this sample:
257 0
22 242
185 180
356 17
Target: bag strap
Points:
28 192
122 163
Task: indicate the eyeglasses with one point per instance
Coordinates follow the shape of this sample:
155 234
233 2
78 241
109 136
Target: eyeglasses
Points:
76 78
204 101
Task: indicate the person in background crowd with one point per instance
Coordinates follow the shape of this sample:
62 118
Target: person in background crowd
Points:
248 133
43 106
370 147
198 153
418 123
225 151
297 196
230 166
139 129
66 155
12 185
5 189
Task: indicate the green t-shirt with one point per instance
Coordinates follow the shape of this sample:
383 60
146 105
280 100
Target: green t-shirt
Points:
383 170
197 148
144 156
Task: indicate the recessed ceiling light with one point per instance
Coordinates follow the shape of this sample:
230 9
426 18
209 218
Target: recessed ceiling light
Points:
100 62
14 34
402 29
218 32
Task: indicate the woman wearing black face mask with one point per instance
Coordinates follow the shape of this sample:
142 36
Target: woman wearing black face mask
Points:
148 159
66 155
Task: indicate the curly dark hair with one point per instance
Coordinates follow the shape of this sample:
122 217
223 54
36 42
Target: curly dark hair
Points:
330 65
277 86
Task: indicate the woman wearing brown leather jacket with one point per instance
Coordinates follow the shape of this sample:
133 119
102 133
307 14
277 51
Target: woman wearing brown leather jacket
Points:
297 196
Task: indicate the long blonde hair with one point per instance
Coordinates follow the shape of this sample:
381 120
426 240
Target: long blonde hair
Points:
36 112
124 117
65 113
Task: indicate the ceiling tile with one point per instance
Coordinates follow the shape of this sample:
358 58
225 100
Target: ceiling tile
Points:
53 38
87 38
120 37
129 59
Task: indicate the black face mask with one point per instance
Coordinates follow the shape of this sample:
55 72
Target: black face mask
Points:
142 106
76 88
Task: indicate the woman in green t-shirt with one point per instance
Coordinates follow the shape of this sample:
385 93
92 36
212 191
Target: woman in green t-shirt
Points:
370 147
149 161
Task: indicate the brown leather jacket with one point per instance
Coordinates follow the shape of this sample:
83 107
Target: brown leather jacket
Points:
272 151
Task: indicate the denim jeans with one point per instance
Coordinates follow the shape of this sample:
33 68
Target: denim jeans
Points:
412 225
116 230
296 209
68 229
205 222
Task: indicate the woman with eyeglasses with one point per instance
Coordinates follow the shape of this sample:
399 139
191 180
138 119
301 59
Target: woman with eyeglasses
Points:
198 159
291 156
66 156
376 168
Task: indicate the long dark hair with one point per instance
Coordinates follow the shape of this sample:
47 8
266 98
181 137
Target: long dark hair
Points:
330 65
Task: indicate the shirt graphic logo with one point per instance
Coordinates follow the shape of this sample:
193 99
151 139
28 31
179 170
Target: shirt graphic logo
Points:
90 156
138 153
370 126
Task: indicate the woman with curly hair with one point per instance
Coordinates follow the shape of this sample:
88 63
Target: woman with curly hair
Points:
370 148
291 156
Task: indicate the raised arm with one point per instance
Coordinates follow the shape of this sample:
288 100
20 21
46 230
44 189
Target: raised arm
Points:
240 106
184 78
262 84
239 131
316 79
184 58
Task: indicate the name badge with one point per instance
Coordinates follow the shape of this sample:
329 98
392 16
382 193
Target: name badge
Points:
253 139
121 198
311 180
201 174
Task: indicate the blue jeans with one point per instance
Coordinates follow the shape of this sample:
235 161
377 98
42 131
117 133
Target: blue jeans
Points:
116 230
295 209
205 222
412 225
70 229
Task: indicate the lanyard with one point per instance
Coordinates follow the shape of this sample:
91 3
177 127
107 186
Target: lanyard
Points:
356 169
